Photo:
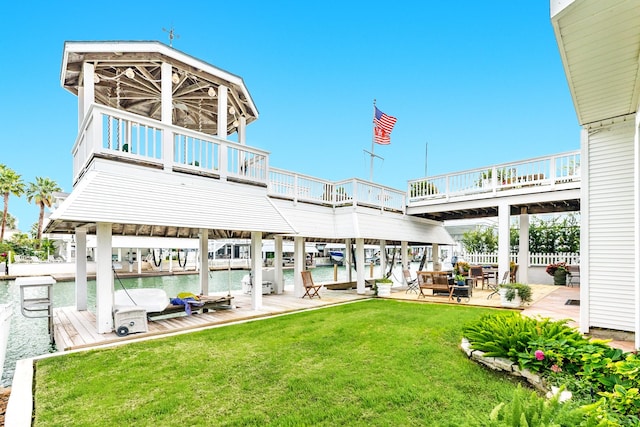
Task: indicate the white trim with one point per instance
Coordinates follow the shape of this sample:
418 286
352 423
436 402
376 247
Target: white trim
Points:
584 232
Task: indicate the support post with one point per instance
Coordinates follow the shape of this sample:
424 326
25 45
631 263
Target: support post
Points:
360 266
81 269
104 279
523 247
256 270
503 237
298 265
204 261
278 275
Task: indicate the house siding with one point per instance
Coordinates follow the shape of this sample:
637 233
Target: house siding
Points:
611 237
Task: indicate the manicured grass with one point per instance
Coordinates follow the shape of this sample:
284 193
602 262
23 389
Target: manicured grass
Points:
377 362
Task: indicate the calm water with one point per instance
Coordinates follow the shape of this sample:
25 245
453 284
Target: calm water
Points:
29 337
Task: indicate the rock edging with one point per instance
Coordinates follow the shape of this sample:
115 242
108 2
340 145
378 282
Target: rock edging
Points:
503 364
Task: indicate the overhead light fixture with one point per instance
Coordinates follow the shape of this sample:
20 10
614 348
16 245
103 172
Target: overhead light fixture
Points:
175 78
129 73
96 79
211 92
232 110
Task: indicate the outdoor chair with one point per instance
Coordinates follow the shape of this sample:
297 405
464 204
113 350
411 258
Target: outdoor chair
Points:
496 288
477 275
513 271
574 275
412 284
310 289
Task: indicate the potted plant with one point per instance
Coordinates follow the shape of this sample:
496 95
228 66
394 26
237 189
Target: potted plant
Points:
514 294
383 287
559 272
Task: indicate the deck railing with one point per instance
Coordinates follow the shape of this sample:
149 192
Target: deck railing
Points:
298 187
546 171
111 132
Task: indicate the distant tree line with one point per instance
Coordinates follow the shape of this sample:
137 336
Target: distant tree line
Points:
559 234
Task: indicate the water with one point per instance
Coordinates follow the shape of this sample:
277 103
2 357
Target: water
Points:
29 337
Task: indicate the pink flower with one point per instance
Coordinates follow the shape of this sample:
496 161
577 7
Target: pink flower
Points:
539 355
556 368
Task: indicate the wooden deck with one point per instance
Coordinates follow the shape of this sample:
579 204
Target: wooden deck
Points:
77 329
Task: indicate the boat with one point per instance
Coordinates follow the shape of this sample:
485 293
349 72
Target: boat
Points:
336 256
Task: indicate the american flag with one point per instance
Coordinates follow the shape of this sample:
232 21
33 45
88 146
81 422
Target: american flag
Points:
383 125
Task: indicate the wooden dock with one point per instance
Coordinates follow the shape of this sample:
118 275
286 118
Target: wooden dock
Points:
77 329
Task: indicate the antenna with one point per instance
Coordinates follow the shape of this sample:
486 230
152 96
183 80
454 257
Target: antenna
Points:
172 35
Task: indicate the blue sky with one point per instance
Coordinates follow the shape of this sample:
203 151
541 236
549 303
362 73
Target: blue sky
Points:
479 82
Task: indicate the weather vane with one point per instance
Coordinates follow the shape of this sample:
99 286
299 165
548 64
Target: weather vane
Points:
172 35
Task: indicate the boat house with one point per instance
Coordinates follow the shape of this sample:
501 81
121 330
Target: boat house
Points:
162 151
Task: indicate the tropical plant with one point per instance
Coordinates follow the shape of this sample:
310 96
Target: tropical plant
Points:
41 193
10 183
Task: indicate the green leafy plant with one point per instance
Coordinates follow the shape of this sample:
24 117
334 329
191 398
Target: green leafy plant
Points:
520 289
528 409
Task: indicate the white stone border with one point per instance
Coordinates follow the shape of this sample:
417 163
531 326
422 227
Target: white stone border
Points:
503 364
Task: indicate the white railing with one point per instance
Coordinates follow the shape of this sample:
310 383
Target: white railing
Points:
297 187
535 259
543 171
117 133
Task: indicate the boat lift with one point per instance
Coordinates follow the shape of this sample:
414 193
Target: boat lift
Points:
38 305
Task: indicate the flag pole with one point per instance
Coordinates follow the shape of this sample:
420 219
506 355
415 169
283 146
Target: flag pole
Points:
372 141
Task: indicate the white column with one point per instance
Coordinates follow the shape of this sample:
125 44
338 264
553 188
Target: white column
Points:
503 237
166 109
360 284
523 247
435 256
104 279
383 258
404 249
204 261
256 270
171 260
81 269
348 261
222 111
277 264
298 265
139 259
585 255
636 228
242 134
86 96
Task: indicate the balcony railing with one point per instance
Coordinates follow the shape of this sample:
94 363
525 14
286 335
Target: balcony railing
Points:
356 192
115 133
547 172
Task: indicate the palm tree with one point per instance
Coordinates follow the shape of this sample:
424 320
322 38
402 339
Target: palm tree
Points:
10 183
41 193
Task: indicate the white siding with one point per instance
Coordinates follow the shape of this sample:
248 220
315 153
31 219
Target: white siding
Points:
610 222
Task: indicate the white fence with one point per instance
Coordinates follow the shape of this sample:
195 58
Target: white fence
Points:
535 259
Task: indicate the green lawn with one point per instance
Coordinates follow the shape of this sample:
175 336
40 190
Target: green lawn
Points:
376 362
